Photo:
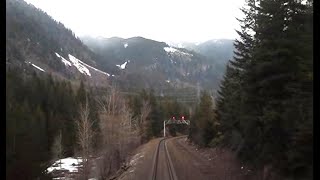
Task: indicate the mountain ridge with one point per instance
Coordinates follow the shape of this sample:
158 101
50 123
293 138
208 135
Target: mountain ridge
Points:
147 56
34 40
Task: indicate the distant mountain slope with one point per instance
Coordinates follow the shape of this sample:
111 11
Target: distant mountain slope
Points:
220 50
152 64
217 50
36 42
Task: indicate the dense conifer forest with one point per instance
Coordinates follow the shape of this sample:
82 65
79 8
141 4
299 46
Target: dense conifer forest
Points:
265 106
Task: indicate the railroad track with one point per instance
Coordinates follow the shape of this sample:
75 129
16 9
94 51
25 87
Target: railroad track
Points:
166 163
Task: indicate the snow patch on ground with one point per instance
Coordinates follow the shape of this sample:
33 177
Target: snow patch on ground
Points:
125 45
123 66
71 164
135 159
79 66
94 68
39 68
170 49
176 51
66 62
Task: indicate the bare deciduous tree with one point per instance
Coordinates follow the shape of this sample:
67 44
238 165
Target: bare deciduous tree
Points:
117 132
85 135
57 148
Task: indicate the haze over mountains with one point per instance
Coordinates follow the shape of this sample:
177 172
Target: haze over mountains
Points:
147 60
220 50
36 42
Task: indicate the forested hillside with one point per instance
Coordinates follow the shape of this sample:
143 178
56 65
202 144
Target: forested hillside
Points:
145 63
265 107
218 51
39 109
54 87
34 41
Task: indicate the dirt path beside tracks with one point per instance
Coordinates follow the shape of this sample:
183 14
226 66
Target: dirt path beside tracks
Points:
188 162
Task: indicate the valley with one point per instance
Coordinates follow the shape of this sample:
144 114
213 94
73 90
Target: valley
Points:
88 107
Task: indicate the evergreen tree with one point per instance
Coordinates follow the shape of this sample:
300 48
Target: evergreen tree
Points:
81 94
265 98
230 107
204 124
156 115
37 107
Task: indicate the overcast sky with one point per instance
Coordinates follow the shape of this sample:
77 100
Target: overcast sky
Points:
162 20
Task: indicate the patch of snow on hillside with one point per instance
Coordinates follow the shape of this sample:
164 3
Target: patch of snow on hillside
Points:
176 51
70 164
39 68
170 49
135 158
94 68
66 62
123 66
125 45
78 65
